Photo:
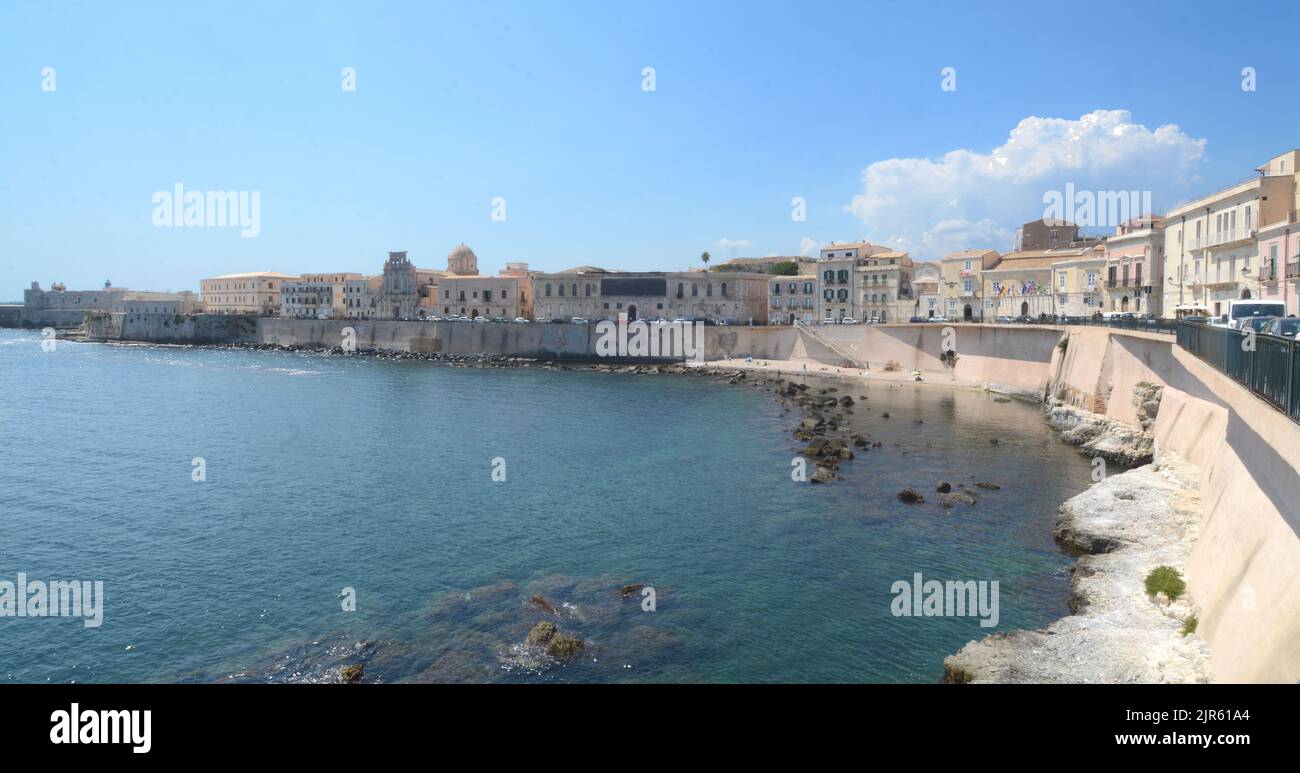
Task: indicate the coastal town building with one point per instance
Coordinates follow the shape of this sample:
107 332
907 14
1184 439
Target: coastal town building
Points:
1021 285
256 293
404 288
1135 260
886 294
1042 234
792 298
1077 283
961 283
865 282
506 295
1212 253
361 297
734 297
316 296
925 287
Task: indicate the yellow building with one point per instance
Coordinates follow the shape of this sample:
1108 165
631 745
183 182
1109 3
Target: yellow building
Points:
256 293
961 283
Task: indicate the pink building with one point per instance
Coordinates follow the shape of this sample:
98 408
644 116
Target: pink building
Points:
1135 259
1279 262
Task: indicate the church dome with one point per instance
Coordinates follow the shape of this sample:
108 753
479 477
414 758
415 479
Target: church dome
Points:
462 261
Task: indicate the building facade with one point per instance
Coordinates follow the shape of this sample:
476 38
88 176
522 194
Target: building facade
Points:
1135 260
256 293
734 297
792 298
961 283
1212 253
1026 284
1077 282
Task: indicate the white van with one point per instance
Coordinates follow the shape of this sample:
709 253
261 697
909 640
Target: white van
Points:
1239 311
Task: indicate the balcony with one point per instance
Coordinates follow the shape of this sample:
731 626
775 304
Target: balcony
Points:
1222 239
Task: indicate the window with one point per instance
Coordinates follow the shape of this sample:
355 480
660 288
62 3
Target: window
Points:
1061 280
724 289
776 288
828 277
1092 280
695 290
967 285
968 265
548 289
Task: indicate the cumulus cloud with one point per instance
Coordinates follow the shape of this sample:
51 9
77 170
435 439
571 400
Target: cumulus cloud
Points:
968 199
809 247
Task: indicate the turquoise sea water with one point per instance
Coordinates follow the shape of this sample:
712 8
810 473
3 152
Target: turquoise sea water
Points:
332 472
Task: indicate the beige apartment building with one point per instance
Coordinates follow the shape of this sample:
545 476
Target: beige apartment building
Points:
1135 261
1211 244
734 297
1077 283
961 283
1027 284
885 279
316 296
836 275
792 298
508 295
361 297
256 293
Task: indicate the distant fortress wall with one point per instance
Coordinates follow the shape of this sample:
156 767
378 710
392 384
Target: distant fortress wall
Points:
503 338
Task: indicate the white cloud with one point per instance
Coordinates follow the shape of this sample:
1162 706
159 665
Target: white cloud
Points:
730 246
967 199
808 247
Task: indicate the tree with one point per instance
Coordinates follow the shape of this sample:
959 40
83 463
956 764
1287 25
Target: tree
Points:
705 257
786 268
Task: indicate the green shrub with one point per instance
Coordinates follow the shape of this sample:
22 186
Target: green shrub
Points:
1167 579
1189 625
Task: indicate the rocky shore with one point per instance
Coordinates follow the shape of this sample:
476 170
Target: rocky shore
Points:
1123 527
1126 526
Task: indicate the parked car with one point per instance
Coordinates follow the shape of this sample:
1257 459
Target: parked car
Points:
849 321
433 319
828 321
1286 327
579 321
520 321
681 321
480 319
1258 324
1239 311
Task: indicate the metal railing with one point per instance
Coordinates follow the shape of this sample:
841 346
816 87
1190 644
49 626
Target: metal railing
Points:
1270 369
1139 323
830 343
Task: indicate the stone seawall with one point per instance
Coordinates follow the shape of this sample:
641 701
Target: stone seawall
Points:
1243 569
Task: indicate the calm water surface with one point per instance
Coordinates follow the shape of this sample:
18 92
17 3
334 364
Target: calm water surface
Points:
331 472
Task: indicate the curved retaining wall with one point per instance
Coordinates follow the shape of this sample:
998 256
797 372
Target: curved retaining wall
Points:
1244 570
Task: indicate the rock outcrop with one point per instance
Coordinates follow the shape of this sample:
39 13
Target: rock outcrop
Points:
1098 435
1126 525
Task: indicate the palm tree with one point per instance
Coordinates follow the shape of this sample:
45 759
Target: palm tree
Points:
705 257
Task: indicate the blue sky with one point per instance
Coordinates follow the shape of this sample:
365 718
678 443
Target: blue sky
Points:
541 103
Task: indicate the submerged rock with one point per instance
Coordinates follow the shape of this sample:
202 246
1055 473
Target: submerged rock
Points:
910 496
541 633
540 601
564 646
351 674
943 487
